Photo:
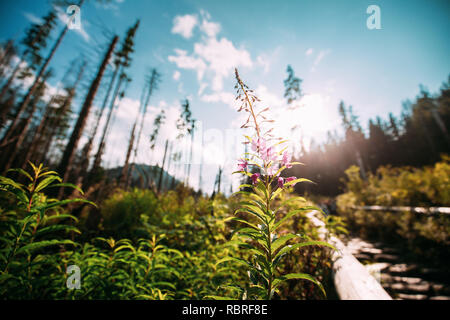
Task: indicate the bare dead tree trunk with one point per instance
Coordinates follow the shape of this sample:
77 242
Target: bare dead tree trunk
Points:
29 94
102 109
8 85
219 175
101 145
162 168
23 131
37 135
168 165
6 51
190 158
123 179
32 89
201 167
66 161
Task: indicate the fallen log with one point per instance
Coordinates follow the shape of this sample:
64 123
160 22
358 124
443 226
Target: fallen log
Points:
351 279
422 210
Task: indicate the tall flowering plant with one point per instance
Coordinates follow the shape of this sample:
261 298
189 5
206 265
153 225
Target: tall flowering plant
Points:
266 247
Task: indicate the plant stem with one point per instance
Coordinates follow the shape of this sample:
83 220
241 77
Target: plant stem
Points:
249 102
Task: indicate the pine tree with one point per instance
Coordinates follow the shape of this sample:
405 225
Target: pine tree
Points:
21 134
152 84
123 178
122 61
292 86
53 117
35 41
66 161
161 171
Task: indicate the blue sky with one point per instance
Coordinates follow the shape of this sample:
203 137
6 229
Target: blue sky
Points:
196 44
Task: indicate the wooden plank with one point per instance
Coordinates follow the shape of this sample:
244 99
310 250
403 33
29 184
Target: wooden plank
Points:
351 279
423 210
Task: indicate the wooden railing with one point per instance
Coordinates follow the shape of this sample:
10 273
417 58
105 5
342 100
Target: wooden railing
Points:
422 210
351 279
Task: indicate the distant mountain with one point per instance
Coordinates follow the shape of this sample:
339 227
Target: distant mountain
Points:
144 175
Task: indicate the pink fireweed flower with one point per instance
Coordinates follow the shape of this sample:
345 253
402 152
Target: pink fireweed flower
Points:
259 145
291 179
242 165
280 182
286 161
271 170
255 178
269 155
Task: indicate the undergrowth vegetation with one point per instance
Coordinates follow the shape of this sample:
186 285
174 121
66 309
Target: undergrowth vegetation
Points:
144 246
420 234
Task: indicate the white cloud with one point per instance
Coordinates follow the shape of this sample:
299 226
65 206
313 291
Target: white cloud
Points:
221 57
224 97
176 75
32 18
211 29
183 61
309 52
269 99
319 58
184 25
212 56
202 87
264 62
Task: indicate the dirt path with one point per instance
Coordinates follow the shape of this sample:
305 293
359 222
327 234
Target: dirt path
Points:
402 279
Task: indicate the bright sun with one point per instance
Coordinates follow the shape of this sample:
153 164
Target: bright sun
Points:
313 117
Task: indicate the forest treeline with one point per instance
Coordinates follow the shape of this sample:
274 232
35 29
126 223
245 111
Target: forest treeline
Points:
417 137
42 124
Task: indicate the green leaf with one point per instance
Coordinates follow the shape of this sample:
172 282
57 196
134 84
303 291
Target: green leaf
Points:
250 194
243 172
287 249
165 283
254 202
285 202
281 241
248 138
218 298
287 184
56 228
276 194
21 171
295 162
262 188
245 185
64 202
238 260
49 172
299 276
61 216
43 244
35 169
11 182
247 223
68 185
280 142
252 212
45 182
291 214
249 232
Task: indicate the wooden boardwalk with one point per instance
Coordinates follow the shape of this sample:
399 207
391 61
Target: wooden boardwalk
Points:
351 279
